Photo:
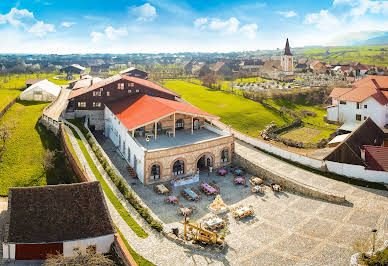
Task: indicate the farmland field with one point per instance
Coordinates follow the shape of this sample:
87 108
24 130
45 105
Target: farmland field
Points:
6 96
17 81
244 115
21 163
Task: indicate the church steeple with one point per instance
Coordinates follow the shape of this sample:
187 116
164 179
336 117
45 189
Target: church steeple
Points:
287 50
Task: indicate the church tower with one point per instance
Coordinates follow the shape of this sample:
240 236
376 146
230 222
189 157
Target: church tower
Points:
287 59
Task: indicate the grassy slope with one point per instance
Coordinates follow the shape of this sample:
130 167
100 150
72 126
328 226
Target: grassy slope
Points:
111 196
364 54
21 164
6 96
244 115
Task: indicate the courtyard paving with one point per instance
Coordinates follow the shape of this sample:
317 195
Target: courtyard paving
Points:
287 228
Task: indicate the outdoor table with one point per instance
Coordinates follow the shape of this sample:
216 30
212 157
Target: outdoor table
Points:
259 188
209 188
191 193
172 198
185 211
214 222
162 189
241 211
238 171
222 171
240 180
257 180
276 187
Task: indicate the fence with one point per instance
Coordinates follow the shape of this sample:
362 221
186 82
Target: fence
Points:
5 109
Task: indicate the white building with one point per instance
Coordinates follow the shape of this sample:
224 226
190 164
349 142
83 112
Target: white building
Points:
366 98
44 90
64 219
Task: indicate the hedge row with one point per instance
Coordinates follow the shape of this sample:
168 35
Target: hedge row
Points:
119 182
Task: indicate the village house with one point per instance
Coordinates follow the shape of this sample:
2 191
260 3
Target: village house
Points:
135 72
44 90
64 219
201 69
222 69
318 67
73 69
30 82
367 97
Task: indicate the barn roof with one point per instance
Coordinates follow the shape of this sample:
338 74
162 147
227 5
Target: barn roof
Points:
57 213
379 155
141 110
32 81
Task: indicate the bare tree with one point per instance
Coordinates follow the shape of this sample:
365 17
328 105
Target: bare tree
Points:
4 136
209 79
48 158
91 258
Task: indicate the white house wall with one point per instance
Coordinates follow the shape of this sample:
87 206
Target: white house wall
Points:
374 110
332 113
9 251
116 131
347 112
102 243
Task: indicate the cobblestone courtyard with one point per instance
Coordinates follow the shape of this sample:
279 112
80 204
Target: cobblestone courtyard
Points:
287 229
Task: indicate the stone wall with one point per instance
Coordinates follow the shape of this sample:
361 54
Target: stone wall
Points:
190 155
288 183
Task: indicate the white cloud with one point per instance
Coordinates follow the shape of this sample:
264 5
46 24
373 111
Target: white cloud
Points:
67 24
144 12
287 14
361 7
41 29
324 20
249 30
226 27
25 19
109 33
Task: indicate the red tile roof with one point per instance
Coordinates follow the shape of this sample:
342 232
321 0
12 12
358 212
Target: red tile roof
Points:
104 82
379 154
336 92
370 86
141 110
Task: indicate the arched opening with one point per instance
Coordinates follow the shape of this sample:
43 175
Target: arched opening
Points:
225 156
179 124
204 162
178 168
196 124
155 171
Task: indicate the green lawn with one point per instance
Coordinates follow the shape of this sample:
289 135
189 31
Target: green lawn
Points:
21 163
6 96
243 114
109 193
307 134
17 81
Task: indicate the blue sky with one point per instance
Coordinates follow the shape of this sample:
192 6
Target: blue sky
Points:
123 26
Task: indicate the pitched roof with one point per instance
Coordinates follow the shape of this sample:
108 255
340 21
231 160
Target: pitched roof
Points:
44 85
57 213
379 154
104 82
32 81
138 111
287 50
130 69
336 92
218 66
78 66
86 82
370 86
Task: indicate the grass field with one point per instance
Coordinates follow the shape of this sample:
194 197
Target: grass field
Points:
374 55
21 163
307 134
17 81
243 114
6 96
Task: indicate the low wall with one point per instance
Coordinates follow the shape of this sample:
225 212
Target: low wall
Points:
81 174
288 183
357 171
5 109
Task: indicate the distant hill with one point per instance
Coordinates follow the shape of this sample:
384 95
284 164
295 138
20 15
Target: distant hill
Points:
381 40
361 38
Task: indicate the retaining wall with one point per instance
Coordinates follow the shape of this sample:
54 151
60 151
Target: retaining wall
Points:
122 252
288 183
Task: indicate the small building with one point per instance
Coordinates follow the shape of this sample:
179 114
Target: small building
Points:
83 82
135 72
376 157
201 69
367 97
97 69
44 90
30 82
64 219
222 69
318 67
349 150
73 69
163 139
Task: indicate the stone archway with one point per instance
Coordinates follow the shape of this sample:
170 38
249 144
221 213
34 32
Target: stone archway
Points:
204 161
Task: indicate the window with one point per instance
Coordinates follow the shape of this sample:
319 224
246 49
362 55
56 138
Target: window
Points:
365 117
108 93
129 91
120 86
132 84
179 124
358 117
365 106
225 156
96 104
358 106
155 171
81 104
342 102
178 168
137 90
96 93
